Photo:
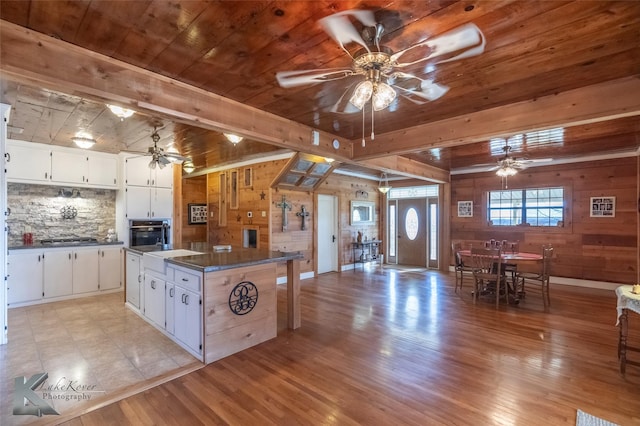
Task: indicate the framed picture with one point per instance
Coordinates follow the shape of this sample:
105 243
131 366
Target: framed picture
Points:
197 213
603 206
465 208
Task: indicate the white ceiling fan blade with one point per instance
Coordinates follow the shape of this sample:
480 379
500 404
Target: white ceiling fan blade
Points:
288 79
467 36
343 106
427 89
340 28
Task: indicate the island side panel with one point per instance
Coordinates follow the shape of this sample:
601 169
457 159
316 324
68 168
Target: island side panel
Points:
227 333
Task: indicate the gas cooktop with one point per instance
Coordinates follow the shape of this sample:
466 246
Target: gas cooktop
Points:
69 240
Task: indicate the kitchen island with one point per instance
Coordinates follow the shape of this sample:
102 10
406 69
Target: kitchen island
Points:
212 303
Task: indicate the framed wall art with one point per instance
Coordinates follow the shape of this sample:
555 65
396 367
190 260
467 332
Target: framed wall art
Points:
465 208
603 206
197 213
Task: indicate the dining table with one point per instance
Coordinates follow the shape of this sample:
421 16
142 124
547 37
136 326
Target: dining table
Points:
511 260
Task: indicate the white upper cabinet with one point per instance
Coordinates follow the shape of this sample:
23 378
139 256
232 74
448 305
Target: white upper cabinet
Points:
28 162
138 173
69 167
54 165
103 171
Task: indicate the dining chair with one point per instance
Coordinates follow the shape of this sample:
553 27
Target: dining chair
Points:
538 280
487 273
460 267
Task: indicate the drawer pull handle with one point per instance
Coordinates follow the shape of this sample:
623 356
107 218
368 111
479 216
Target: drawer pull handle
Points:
185 279
171 292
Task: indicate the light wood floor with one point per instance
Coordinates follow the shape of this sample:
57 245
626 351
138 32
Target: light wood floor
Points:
388 347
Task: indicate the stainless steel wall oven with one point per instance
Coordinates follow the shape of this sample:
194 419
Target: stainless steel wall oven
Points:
149 232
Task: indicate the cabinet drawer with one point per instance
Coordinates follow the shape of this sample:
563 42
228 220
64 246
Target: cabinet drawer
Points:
187 280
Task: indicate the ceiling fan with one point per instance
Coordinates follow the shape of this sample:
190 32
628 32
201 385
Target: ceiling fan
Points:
161 157
381 69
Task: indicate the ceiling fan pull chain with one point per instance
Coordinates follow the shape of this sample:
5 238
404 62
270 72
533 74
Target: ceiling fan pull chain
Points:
373 136
364 143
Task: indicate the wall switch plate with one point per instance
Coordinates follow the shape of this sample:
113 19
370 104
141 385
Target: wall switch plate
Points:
264 213
315 137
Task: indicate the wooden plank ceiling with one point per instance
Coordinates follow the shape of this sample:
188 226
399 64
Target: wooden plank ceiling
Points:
533 50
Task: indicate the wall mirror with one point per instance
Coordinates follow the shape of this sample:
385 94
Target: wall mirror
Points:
362 212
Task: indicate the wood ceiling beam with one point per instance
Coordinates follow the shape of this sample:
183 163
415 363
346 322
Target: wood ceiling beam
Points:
404 166
590 104
30 57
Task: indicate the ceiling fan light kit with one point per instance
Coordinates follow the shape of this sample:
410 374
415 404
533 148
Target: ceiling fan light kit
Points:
121 112
161 157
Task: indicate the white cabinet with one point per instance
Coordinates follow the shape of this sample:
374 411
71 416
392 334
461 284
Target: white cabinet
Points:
69 167
109 262
149 192
85 270
46 164
161 203
25 276
169 305
133 278
154 299
138 173
58 273
103 171
145 202
188 307
28 163
188 318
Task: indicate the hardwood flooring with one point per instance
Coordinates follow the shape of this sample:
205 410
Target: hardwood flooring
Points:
387 347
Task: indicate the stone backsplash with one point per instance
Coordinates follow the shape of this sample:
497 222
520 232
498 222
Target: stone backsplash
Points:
39 209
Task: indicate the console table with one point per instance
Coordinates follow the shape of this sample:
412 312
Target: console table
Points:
627 301
368 252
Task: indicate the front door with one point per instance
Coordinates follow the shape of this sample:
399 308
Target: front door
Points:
412 232
327 254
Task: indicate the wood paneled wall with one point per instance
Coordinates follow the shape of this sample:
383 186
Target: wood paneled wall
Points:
345 189
591 248
194 190
260 197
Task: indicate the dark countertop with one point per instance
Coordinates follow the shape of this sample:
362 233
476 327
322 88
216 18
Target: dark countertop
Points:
41 246
210 261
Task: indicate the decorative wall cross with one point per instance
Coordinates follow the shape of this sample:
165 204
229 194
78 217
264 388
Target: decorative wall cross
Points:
284 206
303 213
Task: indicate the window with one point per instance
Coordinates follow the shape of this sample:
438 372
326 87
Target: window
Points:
535 207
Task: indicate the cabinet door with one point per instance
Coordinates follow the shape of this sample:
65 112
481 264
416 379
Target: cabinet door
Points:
161 203
137 171
162 178
103 171
133 279
169 306
188 318
154 299
85 270
24 281
109 268
58 273
25 163
138 202
69 167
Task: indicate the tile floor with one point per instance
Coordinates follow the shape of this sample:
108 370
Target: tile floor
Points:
94 341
